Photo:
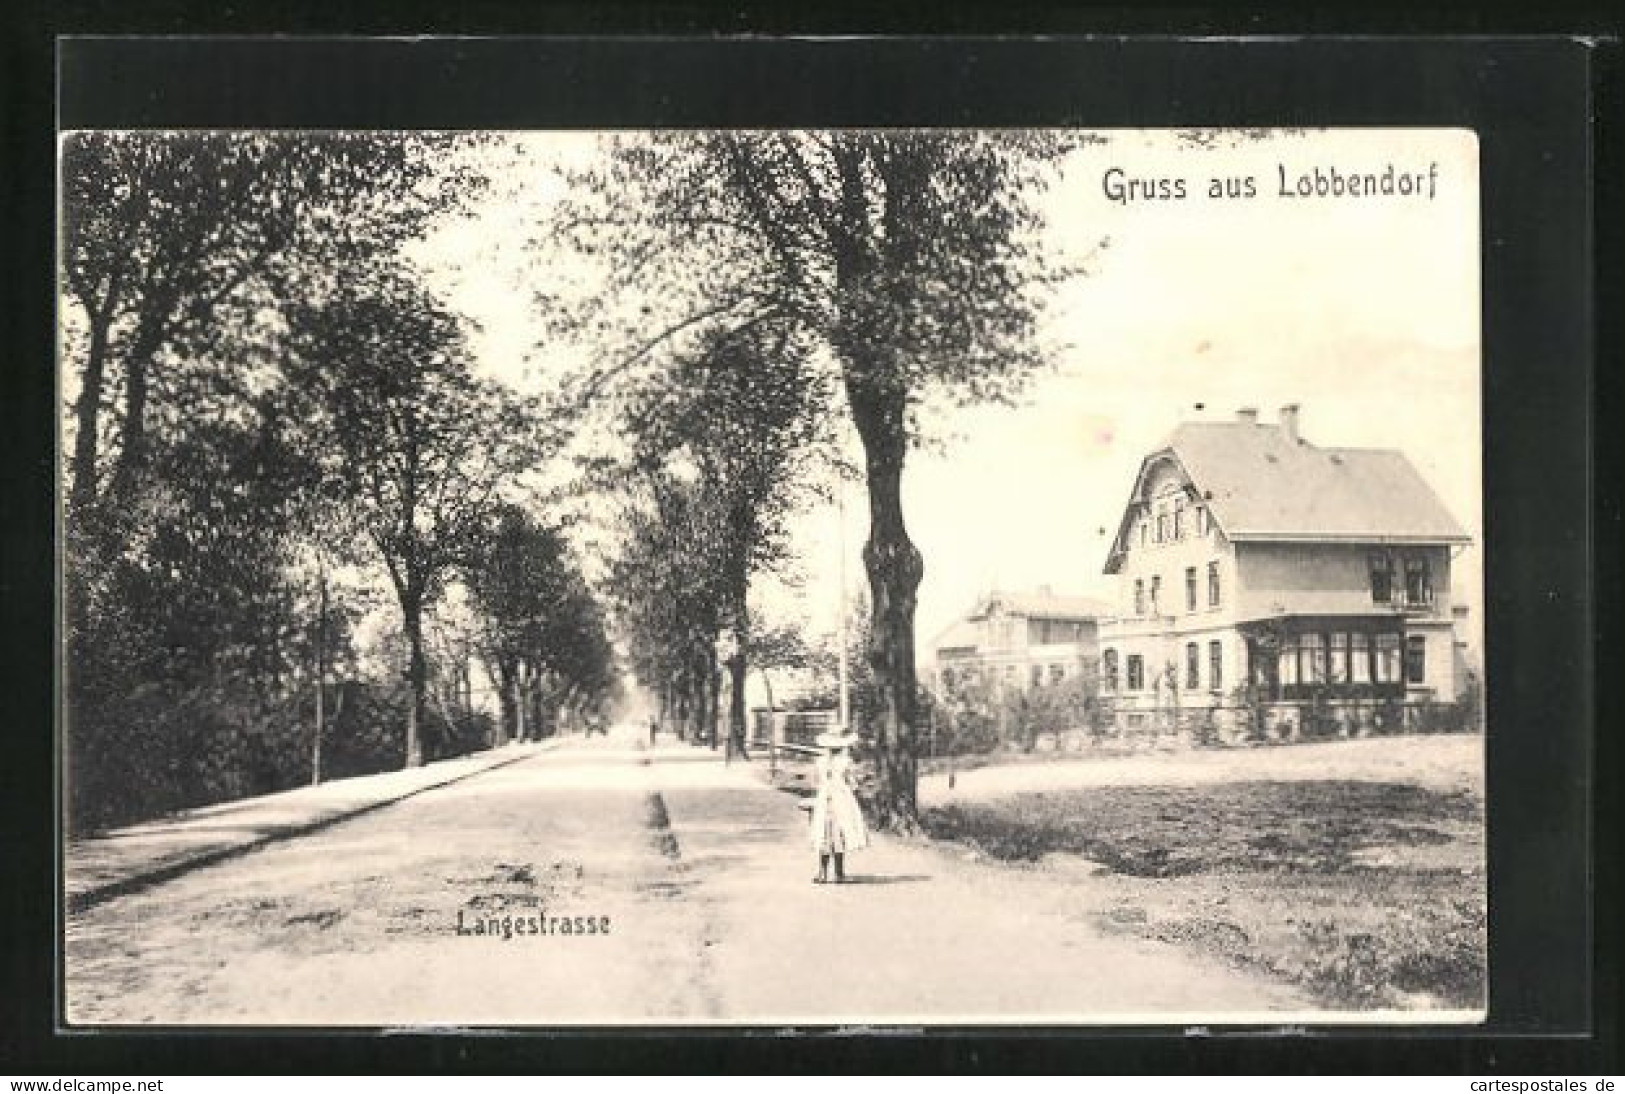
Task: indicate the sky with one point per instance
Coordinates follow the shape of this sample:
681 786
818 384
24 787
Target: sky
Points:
1364 310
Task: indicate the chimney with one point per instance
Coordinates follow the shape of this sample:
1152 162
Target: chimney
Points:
1289 422
1248 414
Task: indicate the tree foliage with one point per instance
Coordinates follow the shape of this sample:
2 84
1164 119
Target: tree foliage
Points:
413 443
197 518
669 595
175 244
543 634
743 414
910 256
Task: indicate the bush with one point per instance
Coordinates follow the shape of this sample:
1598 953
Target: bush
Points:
1205 732
1432 951
1251 707
969 733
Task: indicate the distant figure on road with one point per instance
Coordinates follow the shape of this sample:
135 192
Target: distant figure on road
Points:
654 728
837 822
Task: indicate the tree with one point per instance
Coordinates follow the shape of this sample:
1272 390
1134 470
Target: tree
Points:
910 255
777 647
543 635
416 444
671 598
193 652
744 410
173 241
195 517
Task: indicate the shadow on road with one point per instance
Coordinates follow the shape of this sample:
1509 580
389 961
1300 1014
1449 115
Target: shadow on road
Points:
884 879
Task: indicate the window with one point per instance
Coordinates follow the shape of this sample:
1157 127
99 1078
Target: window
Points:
1038 676
1145 532
1339 671
1215 665
1418 582
1156 590
1416 665
1193 667
1057 632
1213 584
1201 521
1382 578
1359 658
1190 588
1179 518
1386 664
1314 659
1286 662
1139 596
1108 669
1136 672
1162 527
1057 673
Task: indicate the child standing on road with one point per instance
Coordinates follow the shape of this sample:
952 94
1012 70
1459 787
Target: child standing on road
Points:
837 822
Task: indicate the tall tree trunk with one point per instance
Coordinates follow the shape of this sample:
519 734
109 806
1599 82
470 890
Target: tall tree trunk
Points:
87 420
86 547
507 683
894 568
702 736
417 674
713 693
696 689
525 725
738 664
132 457
736 702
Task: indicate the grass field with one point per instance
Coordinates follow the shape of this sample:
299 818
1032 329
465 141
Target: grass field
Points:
1370 894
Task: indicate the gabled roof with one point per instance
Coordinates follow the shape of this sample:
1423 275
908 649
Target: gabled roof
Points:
961 634
1259 484
1043 605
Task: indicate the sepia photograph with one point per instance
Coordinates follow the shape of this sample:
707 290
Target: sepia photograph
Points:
771 578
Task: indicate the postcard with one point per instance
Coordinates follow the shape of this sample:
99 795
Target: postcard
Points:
772 578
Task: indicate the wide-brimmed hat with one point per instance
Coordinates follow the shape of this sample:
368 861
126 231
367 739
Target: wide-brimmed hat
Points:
836 738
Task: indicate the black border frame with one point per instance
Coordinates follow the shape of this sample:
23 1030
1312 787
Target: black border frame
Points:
1530 100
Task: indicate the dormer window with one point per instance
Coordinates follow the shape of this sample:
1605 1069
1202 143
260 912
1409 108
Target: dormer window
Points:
1139 596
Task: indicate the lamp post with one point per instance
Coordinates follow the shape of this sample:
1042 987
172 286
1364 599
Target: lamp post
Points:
727 648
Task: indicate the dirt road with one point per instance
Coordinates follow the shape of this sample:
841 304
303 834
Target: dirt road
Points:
623 886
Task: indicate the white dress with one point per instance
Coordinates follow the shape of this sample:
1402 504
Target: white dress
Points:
837 821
